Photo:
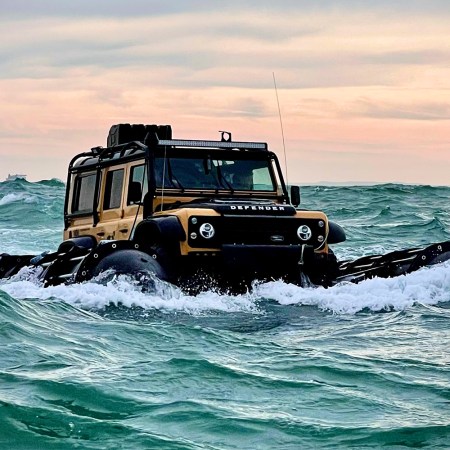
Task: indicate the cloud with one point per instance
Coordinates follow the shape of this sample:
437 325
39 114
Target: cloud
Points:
424 110
140 8
412 57
173 52
352 76
211 46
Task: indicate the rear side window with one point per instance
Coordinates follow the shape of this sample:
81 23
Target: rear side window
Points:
83 193
113 189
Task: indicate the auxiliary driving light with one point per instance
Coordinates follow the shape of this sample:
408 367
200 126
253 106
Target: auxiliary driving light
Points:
207 230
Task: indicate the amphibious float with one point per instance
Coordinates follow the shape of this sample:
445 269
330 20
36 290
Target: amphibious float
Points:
196 212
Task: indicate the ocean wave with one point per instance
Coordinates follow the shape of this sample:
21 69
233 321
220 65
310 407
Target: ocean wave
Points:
31 216
126 291
53 183
17 198
429 286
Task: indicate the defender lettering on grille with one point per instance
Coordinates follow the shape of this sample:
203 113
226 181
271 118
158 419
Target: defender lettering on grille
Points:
257 208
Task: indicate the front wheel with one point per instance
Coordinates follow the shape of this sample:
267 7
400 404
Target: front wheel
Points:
122 257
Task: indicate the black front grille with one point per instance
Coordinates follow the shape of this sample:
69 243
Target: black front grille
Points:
251 230
259 230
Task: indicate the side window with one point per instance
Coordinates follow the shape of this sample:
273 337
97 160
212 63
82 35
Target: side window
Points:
83 193
262 180
137 185
113 189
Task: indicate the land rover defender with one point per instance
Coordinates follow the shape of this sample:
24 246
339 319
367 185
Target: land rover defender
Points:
218 208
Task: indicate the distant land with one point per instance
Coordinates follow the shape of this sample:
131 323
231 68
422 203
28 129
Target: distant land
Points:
362 183
350 183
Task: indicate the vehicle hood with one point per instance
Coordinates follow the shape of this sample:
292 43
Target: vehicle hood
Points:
242 207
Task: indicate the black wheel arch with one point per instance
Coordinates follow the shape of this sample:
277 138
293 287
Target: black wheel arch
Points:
166 231
124 257
336 233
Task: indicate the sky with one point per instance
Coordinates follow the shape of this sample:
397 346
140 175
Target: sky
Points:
363 86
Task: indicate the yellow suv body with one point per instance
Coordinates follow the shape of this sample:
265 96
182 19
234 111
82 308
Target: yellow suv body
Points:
216 207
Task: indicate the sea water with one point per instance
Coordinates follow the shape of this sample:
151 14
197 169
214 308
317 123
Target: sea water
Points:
108 366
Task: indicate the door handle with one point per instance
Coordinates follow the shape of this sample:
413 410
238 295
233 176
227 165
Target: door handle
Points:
123 230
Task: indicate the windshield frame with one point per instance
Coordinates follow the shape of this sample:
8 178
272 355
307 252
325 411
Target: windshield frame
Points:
208 158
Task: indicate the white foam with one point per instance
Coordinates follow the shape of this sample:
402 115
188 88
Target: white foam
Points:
429 285
24 197
124 291
11 198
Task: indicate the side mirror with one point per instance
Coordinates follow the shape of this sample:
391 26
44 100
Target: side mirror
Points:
295 195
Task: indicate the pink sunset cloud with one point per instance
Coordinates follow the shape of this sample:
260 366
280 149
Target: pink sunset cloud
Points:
364 91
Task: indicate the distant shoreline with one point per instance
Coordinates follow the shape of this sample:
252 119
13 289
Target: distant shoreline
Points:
309 184
364 183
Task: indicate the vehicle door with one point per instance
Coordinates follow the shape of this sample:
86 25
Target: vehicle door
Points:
80 205
111 203
136 187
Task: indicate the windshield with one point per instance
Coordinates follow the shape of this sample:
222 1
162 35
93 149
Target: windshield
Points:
210 173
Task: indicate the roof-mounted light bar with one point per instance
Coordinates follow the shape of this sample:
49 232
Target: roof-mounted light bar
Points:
213 144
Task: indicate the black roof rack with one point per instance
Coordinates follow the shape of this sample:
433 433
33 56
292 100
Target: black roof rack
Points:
127 149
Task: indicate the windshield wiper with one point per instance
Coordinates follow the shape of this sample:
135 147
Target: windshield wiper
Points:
222 179
172 177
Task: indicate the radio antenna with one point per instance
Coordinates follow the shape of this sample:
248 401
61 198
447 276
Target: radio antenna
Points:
281 126
163 177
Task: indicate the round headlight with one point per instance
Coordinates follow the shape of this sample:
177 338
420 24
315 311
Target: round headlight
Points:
207 230
304 232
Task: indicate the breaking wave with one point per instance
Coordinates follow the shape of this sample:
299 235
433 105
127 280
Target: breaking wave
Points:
428 286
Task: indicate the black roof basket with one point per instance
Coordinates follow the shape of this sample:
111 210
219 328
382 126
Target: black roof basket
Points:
125 132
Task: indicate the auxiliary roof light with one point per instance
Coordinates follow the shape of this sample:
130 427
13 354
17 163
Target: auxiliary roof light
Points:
213 144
